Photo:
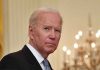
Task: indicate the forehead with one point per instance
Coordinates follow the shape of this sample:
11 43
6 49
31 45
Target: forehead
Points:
50 20
50 16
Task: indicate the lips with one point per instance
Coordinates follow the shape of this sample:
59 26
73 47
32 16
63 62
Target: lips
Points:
51 44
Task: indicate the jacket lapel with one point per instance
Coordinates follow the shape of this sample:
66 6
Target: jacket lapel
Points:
31 59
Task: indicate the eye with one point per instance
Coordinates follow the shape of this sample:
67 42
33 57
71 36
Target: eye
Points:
58 31
46 28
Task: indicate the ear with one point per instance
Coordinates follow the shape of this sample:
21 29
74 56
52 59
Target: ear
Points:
31 32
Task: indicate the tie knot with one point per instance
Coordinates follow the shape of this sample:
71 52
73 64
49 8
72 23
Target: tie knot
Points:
46 64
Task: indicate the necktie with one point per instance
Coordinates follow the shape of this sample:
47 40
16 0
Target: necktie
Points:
46 64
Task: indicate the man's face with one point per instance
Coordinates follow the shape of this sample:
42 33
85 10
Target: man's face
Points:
47 32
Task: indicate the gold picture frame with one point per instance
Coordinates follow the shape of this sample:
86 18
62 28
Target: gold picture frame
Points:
1 29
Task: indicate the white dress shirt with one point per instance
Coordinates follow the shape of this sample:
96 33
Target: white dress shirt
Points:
37 55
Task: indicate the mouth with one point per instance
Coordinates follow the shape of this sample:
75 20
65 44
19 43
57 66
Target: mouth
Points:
51 44
51 47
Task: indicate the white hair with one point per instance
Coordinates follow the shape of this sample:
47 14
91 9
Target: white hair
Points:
36 13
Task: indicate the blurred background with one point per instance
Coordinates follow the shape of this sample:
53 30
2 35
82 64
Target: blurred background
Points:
78 16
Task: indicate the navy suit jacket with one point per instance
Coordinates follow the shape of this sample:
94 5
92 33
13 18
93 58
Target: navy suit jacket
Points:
21 60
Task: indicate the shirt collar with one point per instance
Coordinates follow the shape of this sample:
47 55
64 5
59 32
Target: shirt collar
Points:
37 55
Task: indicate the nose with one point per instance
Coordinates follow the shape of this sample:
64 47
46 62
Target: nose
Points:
52 35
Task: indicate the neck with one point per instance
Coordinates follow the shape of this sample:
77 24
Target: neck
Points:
44 55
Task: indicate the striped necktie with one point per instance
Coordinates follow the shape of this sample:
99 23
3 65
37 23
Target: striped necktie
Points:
46 64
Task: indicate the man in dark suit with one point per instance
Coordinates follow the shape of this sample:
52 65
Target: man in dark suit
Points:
44 32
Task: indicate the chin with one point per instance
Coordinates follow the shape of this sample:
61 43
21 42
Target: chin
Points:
51 51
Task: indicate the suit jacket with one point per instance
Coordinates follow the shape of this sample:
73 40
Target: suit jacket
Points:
21 60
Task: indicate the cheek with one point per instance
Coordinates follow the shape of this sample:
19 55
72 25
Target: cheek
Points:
58 37
40 38
57 40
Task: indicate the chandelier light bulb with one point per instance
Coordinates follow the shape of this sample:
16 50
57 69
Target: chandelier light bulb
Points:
93 45
98 34
68 52
64 48
77 37
80 33
75 45
99 31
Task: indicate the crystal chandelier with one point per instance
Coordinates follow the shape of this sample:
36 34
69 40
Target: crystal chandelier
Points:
86 52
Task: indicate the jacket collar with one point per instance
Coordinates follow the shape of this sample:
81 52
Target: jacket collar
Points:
31 58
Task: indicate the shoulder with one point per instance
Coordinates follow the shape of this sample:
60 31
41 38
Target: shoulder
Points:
10 61
11 57
15 55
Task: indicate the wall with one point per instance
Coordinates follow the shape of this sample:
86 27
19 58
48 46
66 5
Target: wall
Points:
75 17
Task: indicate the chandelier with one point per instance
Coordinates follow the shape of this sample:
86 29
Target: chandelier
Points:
86 52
